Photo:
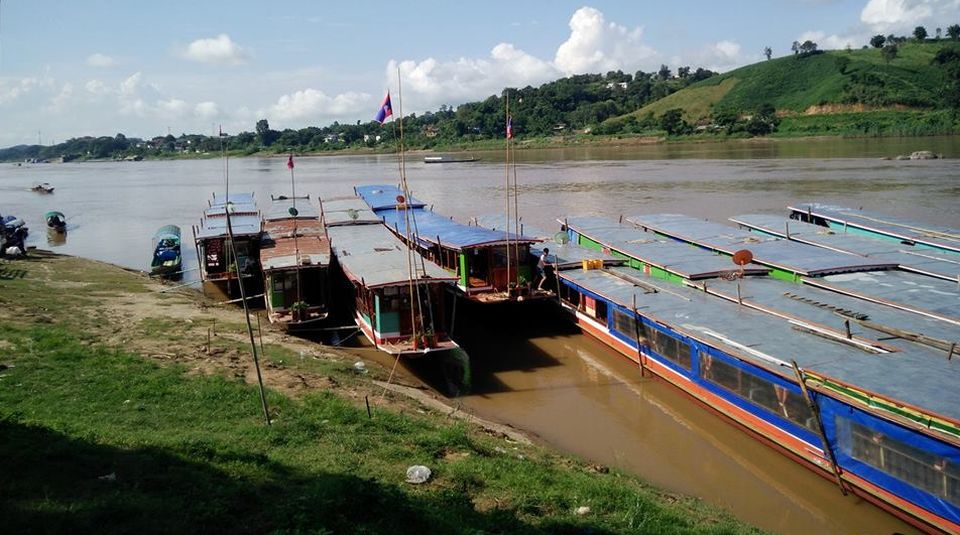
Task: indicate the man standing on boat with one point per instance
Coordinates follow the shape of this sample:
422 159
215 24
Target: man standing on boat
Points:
542 266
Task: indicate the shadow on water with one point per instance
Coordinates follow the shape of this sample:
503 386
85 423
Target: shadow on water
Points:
55 483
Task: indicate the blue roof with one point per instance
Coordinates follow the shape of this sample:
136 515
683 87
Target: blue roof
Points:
435 228
381 197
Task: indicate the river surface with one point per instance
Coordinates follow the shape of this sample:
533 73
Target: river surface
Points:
538 373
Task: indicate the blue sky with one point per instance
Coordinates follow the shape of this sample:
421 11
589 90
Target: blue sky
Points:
101 67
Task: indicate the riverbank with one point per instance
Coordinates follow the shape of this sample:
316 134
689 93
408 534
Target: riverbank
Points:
125 407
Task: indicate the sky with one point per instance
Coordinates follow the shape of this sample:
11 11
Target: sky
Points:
102 67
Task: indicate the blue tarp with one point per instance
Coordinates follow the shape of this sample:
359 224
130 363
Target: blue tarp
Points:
432 227
381 197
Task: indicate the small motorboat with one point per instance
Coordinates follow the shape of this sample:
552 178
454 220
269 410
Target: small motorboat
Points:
166 253
43 188
56 221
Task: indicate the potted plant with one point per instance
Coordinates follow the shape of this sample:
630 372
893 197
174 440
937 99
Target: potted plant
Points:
299 310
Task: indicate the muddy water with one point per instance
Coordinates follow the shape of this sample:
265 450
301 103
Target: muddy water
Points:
533 370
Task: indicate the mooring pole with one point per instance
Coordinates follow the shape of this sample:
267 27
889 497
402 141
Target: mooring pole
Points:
820 430
246 312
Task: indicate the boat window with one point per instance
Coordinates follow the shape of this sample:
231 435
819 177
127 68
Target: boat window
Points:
928 472
570 295
624 322
600 311
773 397
667 346
499 256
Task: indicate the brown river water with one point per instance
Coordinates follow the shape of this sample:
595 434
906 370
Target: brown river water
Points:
534 371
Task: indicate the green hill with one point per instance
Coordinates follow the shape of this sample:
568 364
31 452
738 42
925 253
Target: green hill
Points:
836 82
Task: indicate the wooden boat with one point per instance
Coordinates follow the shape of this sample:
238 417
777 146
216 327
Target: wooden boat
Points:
399 311
831 368
449 159
42 188
483 260
56 221
858 221
295 259
217 265
167 260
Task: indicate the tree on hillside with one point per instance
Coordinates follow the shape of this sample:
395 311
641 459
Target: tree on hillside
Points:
265 135
808 48
764 121
795 47
953 31
877 41
767 51
683 72
920 33
889 52
672 122
664 72
948 58
939 33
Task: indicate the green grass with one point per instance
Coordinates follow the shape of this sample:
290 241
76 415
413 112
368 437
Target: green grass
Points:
95 439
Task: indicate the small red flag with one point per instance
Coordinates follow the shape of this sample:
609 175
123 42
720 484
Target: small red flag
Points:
509 127
290 162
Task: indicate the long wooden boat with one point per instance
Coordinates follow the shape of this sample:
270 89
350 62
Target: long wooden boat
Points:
490 266
941 265
399 312
858 221
295 259
167 259
449 159
217 264
853 388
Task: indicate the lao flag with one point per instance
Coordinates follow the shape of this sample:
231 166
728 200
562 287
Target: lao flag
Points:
509 127
290 162
386 110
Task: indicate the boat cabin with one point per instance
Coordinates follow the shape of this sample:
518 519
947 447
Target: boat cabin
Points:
399 311
295 258
213 244
488 264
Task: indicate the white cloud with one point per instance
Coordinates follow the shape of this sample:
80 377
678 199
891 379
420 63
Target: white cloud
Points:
833 42
220 50
101 61
10 92
60 101
312 103
597 46
97 87
888 15
206 110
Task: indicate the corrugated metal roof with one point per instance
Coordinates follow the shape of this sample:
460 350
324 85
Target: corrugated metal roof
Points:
384 197
685 260
280 209
279 249
918 375
789 256
933 235
433 227
243 225
347 211
927 261
236 198
373 255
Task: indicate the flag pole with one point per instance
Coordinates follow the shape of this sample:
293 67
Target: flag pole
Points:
506 190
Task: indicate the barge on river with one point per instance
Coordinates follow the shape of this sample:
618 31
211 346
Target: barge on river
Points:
295 258
489 266
399 302
217 264
823 362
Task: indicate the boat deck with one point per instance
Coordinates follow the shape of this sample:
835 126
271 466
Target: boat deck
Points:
938 237
785 255
926 261
683 260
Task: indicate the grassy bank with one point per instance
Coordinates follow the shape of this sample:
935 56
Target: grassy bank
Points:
117 415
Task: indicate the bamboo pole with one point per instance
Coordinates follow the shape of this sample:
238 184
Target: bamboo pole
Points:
820 430
246 314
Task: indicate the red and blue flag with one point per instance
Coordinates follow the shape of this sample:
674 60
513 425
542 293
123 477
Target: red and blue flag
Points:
386 110
509 127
